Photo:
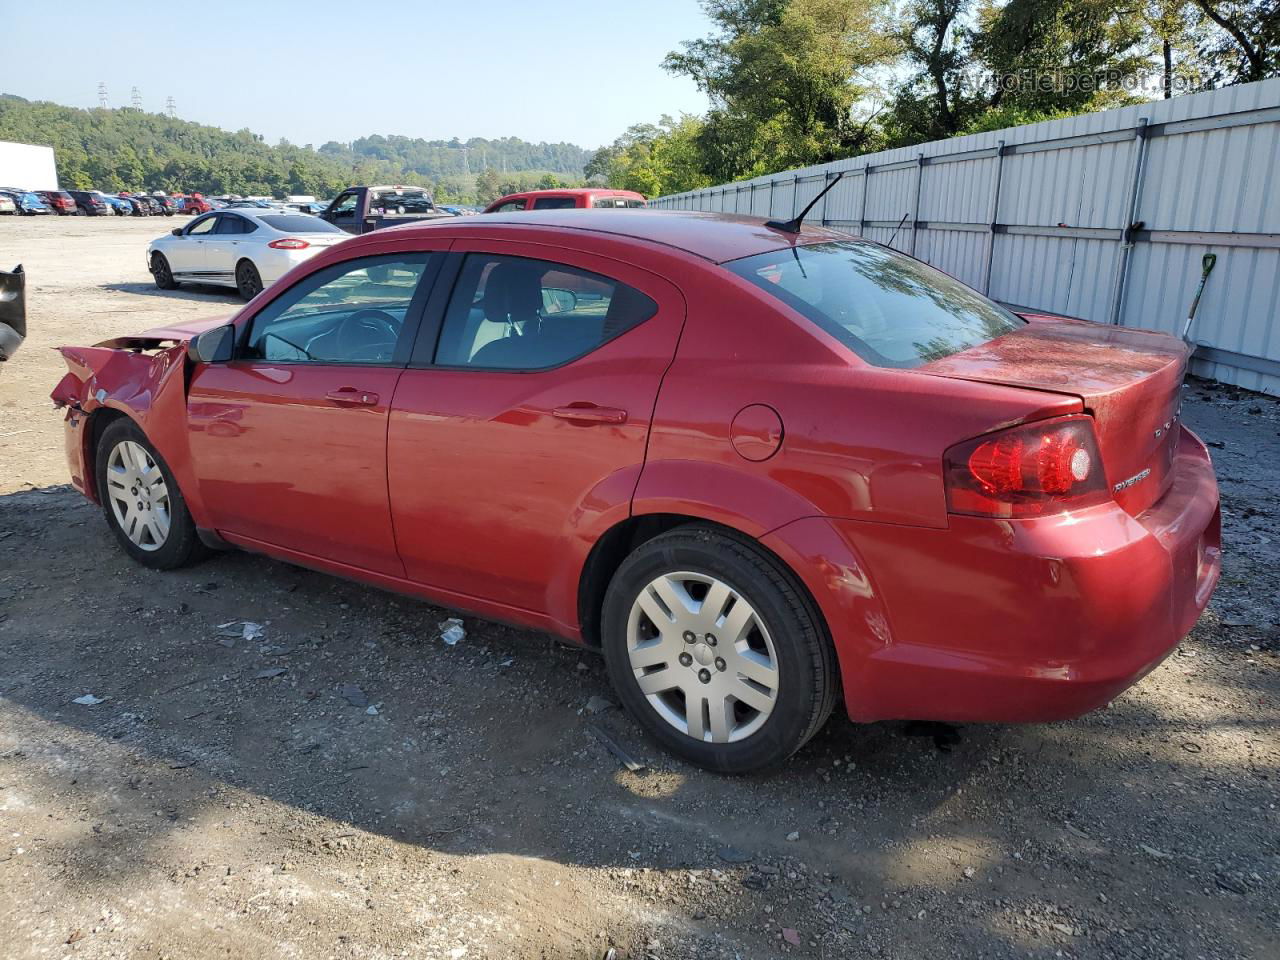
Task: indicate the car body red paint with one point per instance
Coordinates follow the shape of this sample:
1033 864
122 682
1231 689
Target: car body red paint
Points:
567 198
475 489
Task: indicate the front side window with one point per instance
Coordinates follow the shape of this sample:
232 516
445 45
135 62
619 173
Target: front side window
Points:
513 313
202 226
889 309
349 312
554 203
512 205
346 205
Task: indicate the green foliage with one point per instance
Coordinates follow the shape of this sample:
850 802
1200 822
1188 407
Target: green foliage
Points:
126 149
654 160
781 77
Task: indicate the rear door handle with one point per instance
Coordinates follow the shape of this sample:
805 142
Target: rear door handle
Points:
350 395
590 413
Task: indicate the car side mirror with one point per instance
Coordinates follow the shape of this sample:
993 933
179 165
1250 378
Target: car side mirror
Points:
176 231
558 300
212 346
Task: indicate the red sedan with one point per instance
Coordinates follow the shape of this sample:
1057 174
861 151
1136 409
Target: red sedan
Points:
762 470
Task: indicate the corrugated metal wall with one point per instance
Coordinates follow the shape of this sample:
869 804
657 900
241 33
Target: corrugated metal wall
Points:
1104 216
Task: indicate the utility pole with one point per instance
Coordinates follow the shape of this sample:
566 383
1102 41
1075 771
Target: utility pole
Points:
466 162
102 94
136 97
170 107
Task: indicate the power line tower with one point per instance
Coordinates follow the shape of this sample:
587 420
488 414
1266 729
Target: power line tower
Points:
466 162
136 98
102 94
170 107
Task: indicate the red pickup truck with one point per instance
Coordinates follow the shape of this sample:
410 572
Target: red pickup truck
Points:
566 199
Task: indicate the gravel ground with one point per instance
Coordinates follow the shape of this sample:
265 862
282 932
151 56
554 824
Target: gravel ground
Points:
347 785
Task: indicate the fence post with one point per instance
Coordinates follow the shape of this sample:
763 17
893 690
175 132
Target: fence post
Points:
991 219
862 211
1141 138
915 212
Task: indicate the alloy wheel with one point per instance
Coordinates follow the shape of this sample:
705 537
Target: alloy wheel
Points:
138 495
702 657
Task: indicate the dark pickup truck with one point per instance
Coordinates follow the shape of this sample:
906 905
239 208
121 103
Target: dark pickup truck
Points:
361 209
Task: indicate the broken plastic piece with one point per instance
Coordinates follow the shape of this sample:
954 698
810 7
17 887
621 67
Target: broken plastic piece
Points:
452 630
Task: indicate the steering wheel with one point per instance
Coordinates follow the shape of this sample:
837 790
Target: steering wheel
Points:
364 329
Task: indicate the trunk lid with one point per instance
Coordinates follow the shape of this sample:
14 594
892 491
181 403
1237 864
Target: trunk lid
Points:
1130 382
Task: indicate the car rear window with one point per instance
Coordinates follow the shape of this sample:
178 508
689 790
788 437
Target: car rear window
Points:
889 309
299 223
554 203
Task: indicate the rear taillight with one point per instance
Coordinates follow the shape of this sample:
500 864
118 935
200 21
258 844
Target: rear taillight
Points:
1028 471
288 243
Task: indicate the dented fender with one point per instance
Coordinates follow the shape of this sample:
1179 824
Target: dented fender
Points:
147 387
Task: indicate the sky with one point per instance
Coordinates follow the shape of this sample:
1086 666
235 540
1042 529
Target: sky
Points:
554 70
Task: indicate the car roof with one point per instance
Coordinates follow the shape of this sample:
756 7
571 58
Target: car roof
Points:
712 236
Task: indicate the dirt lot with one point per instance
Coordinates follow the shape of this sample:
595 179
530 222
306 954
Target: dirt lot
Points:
207 809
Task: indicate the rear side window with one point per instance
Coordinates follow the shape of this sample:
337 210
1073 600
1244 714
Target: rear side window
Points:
554 203
229 223
300 223
889 309
513 313
618 203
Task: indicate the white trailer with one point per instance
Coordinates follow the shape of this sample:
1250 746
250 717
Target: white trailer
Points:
27 166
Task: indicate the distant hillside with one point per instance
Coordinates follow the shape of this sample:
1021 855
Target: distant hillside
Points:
125 149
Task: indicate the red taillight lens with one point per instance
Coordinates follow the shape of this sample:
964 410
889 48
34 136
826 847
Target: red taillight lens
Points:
1028 471
288 243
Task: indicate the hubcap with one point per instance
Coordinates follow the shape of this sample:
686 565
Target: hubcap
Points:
702 657
138 495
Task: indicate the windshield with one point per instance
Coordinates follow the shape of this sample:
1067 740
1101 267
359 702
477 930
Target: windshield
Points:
299 223
889 309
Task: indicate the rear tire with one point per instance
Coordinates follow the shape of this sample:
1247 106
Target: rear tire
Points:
141 501
161 271
757 679
248 281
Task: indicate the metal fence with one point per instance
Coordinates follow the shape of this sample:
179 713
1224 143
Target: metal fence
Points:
1103 216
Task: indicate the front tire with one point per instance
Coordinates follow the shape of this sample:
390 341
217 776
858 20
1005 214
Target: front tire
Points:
248 280
715 648
141 501
162 272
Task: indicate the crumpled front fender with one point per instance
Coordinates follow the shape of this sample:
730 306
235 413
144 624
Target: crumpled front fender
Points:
149 388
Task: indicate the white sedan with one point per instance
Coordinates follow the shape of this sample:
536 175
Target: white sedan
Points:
242 248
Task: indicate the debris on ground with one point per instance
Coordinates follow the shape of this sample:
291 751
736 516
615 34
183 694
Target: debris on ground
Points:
270 672
89 700
598 704
353 695
452 631
612 745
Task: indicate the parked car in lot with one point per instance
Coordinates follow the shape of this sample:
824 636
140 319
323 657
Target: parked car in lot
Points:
362 209
138 207
119 206
761 468
7 204
241 248
59 201
193 205
568 199
27 203
91 203
13 311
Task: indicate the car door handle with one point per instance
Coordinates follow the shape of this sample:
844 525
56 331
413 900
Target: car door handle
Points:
590 413
359 398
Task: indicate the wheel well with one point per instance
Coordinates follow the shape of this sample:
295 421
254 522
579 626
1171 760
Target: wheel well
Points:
618 543
97 424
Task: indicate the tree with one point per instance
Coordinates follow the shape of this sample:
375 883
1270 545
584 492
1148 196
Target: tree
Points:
1250 39
487 187
782 77
657 159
